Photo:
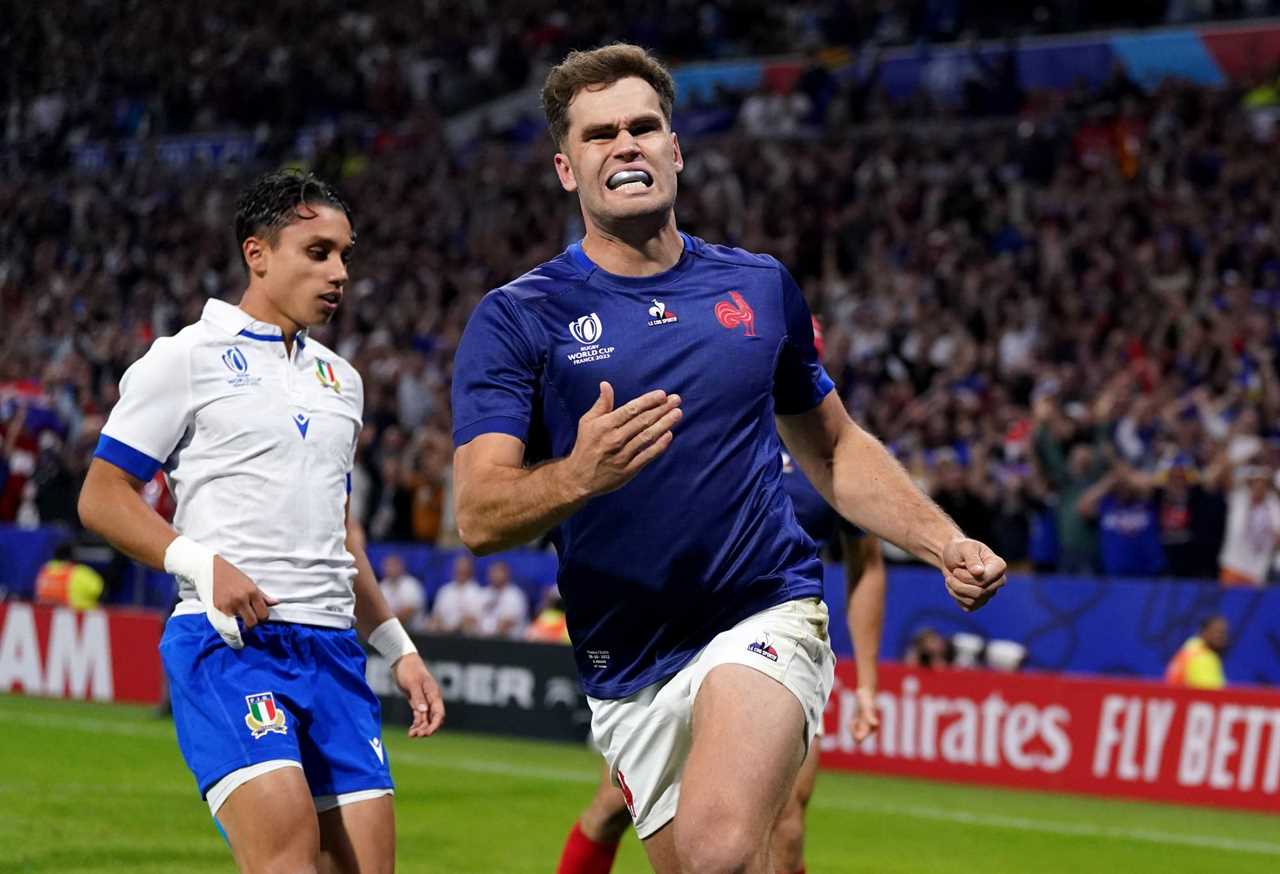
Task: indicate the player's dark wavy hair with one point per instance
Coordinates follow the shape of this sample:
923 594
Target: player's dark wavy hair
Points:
600 68
280 198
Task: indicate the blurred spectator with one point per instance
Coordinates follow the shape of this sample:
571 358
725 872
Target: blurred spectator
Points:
1072 473
506 607
929 649
1253 527
1198 664
549 625
405 594
460 604
64 582
1191 519
1128 523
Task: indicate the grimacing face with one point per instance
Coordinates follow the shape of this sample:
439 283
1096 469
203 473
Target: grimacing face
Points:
618 132
304 271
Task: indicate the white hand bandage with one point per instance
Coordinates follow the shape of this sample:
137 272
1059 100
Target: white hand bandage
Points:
191 561
391 641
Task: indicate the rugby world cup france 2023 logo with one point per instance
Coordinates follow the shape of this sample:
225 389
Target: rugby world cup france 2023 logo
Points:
587 330
235 361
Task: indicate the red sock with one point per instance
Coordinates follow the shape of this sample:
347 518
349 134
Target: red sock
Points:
800 871
581 855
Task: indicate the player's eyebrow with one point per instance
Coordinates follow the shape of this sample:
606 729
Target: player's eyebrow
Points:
611 128
329 242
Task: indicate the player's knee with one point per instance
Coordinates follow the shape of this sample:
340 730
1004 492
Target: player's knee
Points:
716 846
788 837
282 863
606 819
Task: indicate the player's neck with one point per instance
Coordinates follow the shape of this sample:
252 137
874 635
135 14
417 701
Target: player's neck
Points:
641 254
256 303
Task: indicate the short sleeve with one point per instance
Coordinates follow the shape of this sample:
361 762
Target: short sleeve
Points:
495 373
799 382
357 401
153 412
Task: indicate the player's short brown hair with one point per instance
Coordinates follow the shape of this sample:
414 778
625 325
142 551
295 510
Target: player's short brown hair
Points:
600 68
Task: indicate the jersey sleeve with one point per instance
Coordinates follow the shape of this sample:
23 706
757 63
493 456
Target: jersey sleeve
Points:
358 402
153 412
495 373
799 382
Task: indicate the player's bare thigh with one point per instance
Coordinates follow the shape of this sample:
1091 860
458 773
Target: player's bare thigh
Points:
271 824
359 838
748 745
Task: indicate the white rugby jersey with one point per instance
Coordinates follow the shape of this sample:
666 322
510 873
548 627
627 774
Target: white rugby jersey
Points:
258 450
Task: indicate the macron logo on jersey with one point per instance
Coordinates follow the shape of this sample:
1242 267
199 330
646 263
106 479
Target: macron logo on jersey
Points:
659 314
731 315
303 424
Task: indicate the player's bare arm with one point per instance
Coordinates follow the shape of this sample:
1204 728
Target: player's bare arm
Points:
866 584
372 614
867 485
501 503
111 504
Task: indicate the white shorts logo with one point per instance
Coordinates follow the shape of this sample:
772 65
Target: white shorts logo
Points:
586 329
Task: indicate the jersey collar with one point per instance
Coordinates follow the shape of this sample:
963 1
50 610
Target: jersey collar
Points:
237 322
596 272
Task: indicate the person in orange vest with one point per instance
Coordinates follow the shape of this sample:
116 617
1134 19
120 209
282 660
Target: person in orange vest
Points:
1198 664
66 583
549 626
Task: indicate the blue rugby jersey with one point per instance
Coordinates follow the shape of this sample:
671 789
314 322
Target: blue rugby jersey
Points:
705 535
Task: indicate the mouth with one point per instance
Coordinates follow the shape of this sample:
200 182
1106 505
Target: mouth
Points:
331 300
630 180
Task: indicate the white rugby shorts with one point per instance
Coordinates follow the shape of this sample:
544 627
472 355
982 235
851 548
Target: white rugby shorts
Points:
646 736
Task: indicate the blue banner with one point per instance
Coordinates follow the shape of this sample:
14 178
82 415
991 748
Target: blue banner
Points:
1082 624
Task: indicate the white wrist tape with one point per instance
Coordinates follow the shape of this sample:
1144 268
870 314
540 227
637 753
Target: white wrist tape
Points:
193 562
391 641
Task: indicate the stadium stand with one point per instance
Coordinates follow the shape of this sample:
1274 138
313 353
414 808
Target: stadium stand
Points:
1096 271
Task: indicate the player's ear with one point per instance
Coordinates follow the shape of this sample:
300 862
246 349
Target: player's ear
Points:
565 171
679 158
255 255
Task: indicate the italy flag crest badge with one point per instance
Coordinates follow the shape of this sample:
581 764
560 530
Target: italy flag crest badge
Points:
327 376
264 715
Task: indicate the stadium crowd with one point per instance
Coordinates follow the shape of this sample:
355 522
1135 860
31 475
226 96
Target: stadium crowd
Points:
131 69
1063 321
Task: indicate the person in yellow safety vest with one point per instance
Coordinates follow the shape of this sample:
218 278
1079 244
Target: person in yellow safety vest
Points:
1198 665
67 583
549 626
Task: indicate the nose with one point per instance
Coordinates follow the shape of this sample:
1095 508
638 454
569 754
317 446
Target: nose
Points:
338 277
627 147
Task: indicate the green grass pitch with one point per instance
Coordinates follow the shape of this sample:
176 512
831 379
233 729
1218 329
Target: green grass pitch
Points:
88 787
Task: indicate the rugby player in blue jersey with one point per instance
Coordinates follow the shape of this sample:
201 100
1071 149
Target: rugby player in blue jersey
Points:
593 841
693 597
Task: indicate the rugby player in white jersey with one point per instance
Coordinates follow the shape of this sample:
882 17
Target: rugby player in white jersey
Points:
255 424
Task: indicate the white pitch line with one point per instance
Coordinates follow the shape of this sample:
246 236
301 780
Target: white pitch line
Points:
935 814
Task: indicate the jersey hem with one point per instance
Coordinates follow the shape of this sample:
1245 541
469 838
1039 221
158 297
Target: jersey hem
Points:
281 613
613 692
